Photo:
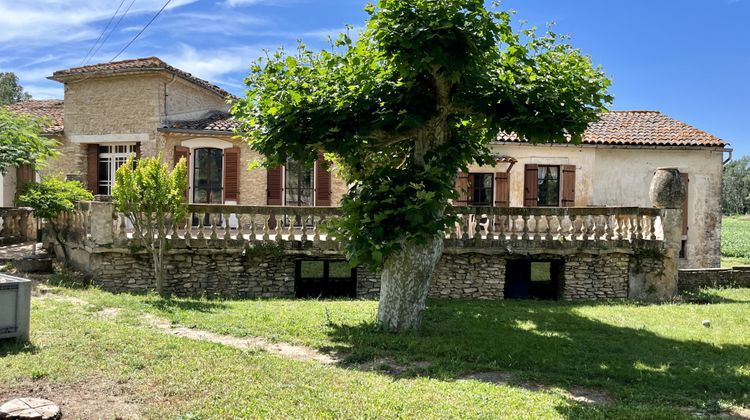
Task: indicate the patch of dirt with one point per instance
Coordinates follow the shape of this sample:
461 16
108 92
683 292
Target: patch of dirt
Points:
578 394
91 399
108 313
738 413
289 351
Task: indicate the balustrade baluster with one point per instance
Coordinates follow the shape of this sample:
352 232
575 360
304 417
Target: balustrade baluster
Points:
639 226
652 228
280 227
525 235
201 226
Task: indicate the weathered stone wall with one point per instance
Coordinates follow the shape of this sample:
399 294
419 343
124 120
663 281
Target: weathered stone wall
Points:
237 274
469 276
692 279
186 101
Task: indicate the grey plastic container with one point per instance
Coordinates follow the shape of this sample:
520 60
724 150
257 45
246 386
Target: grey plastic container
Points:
15 307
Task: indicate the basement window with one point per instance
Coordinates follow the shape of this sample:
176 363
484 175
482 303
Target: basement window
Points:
325 279
533 279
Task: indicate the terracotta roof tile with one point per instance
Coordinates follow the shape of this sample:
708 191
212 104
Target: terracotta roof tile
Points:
640 128
52 109
135 65
218 121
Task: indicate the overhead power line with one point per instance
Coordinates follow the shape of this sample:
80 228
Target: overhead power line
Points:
113 29
141 32
102 34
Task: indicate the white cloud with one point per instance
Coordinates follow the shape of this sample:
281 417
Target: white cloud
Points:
213 64
45 91
240 3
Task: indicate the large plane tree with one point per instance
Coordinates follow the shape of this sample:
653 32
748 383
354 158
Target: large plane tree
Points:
402 109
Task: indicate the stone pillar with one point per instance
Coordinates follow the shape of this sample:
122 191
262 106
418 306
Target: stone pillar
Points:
667 192
101 222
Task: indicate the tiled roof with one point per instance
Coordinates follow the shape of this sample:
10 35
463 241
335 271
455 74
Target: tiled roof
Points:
218 121
134 65
52 109
640 128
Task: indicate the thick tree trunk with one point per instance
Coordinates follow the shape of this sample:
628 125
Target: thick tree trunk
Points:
404 283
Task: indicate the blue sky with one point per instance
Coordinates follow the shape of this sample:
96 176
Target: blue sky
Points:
687 58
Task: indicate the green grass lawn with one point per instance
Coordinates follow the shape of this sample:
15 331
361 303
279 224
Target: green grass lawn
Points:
652 360
735 241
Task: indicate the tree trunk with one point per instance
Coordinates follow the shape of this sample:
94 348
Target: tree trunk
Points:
404 283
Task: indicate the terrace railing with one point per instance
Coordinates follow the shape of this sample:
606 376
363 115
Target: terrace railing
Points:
16 225
224 226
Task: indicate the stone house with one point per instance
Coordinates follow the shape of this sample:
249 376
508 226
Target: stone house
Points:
146 107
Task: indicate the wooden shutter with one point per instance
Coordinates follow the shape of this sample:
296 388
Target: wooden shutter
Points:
137 151
274 186
531 173
568 185
322 183
92 168
462 188
502 189
25 174
686 181
232 174
179 153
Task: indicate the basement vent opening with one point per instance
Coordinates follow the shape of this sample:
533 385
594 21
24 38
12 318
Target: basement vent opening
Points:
325 279
533 279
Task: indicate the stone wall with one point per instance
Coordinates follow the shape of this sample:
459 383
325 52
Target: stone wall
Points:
693 279
270 272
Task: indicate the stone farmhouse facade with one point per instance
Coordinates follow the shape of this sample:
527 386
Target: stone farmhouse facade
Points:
146 107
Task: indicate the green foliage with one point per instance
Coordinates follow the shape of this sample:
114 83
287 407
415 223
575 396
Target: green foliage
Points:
416 98
11 90
736 187
21 142
735 237
149 189
52 196
151 197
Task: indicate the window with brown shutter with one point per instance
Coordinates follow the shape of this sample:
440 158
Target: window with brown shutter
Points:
502 189
462 188
531 173
274 189
92 168
568 185
322 183
25 174
232 174
179 153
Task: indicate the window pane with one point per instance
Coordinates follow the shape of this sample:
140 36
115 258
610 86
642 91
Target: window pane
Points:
481 189
339 269
541 271
312 269
548 181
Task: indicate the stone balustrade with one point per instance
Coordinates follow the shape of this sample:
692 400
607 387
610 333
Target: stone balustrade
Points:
16 225
554 226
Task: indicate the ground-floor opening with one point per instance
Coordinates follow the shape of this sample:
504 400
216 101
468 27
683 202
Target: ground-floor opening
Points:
534 279
325 279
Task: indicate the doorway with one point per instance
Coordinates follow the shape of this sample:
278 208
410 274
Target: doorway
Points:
533 279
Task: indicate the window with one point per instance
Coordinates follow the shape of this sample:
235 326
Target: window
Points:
548 186
298 184
324 279
207 176
111 157
481 189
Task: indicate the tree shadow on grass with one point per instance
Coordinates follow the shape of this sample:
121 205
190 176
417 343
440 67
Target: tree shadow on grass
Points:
9 347
170 305
552 344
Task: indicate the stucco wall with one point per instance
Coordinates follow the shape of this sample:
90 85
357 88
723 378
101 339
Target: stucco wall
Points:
8 188
608 176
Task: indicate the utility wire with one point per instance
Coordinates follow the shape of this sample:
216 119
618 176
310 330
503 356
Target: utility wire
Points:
102 34
113 29
142 30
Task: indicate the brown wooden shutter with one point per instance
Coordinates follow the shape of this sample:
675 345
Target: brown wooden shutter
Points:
531 173
92 168
25 174
274 185
568 185
502 189
685 219
137 151
232 174
462 188
179 153
322 183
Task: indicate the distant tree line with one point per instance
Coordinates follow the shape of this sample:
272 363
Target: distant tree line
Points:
736 193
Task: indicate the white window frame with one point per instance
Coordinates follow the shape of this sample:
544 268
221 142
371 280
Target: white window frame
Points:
113 156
